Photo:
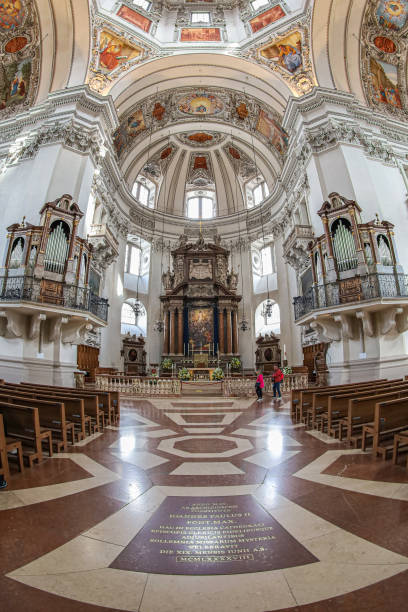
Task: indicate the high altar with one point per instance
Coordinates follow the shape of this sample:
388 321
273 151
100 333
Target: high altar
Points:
200 304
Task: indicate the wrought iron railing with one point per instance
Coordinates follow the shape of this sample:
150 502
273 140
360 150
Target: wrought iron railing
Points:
30 289
372 286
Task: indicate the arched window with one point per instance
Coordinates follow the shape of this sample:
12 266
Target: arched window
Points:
257 191
144 4
129 322
266 325
56 251
200 205
144 191
343 245
258 4
384 250
16 258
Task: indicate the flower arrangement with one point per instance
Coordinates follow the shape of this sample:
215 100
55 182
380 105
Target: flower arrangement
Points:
235 363
184 374
217 374
154 373
167 364
287 370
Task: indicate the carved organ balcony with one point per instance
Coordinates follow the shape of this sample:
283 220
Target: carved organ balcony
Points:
295 247
45 276
358 283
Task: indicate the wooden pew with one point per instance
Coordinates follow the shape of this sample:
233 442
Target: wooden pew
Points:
91 403
8 445
52 416
23 423
361 412
338 406
74 407
109 401
389 418
305 396
320 400
400 439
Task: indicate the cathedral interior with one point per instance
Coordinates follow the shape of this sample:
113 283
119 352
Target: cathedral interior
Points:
203 305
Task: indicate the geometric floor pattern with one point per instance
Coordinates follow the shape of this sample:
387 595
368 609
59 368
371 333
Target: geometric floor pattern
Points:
206 505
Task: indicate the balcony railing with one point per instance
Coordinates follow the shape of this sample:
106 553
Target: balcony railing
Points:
373 286
30 289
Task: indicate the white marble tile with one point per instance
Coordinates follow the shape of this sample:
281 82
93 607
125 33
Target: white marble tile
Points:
79 555
228 418
149 501
319 581
109 588
206 468
8 500
268 460
89 439
159 433
340 546
204 430
256 593
129 442
120 528
209 491
301 524
313 472
142 459
100 475
322 437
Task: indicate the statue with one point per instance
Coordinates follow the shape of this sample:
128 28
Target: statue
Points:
200 242
168 280
182 240
232 280
217 240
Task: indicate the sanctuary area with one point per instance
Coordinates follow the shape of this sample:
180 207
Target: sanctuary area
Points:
203 305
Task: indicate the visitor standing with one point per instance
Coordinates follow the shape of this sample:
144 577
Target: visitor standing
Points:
277 379
259 385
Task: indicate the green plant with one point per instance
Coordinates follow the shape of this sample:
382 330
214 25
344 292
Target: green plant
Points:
217 374
167 363
184 374
235 363
287 370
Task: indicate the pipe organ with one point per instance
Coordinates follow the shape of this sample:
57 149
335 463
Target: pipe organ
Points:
50 253
350 249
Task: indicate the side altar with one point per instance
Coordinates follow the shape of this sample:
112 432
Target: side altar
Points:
200 305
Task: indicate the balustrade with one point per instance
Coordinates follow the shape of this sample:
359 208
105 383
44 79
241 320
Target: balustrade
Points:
135 385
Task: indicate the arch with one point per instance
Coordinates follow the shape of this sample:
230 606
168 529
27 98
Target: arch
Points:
268 325
129 323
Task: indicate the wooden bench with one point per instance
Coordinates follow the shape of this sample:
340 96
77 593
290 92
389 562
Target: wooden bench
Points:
8 445
52 416
361 412
400 440
91 403
74 407
320 400
389 418
337 412
23 423
108 401
305 396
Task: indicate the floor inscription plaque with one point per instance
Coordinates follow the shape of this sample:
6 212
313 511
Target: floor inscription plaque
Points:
212 535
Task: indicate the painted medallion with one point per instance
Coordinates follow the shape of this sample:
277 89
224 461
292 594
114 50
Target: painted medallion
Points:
200 103
392 14
12 14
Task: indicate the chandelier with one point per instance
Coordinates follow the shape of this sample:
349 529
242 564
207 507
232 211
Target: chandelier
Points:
267 309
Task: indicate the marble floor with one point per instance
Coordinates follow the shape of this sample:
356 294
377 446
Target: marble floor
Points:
206 505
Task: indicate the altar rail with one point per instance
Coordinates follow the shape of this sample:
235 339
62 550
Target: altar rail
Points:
246 386
136 385
231 387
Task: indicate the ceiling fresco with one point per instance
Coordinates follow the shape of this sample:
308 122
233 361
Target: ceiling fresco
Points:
224 106
20 55
383 55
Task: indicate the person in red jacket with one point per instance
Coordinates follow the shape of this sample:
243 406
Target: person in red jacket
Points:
259 385
277 379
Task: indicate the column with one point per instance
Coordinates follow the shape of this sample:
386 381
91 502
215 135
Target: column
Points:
172 331
229 332
235 331
221 330
180 348
166 332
